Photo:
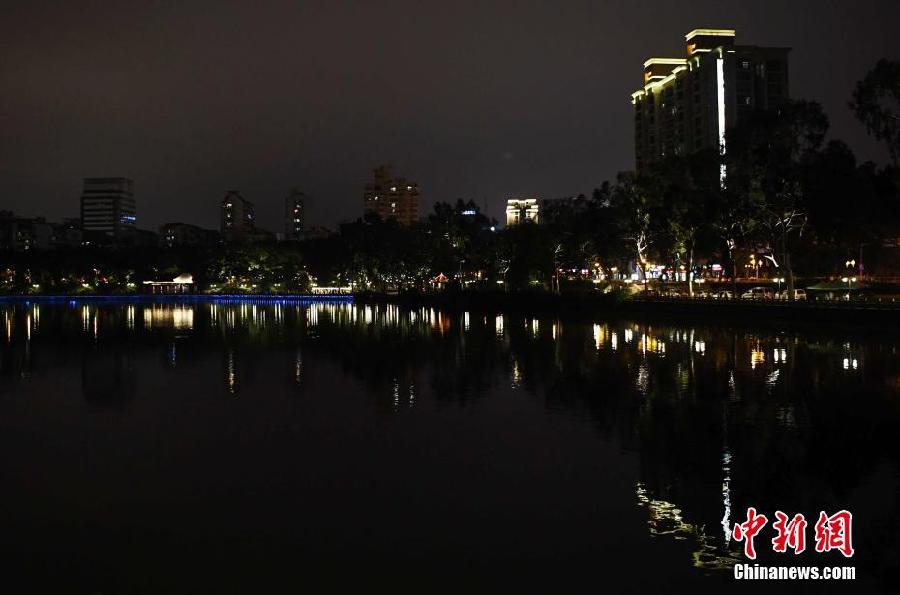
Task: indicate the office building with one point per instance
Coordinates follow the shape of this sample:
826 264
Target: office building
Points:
108 207
294 216
392 198
520 210
238 223
686 104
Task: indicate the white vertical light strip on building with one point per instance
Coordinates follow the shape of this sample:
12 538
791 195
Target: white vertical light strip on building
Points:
720 102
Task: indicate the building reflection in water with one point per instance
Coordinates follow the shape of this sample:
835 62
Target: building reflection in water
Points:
665 519
691 402
757 357
726 493
231 380
179 317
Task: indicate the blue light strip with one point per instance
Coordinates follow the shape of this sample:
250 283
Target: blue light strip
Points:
176 298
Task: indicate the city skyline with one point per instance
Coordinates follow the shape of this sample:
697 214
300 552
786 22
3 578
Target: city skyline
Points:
534 121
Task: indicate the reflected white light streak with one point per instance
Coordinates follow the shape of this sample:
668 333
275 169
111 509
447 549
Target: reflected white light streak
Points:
726 493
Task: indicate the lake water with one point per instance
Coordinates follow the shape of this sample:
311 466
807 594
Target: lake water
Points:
246 447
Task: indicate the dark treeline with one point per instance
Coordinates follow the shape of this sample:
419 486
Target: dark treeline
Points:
782 198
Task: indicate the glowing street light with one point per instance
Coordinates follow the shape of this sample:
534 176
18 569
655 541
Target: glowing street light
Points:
779 280
849 280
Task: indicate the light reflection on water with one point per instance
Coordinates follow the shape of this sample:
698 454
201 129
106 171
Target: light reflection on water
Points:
717 418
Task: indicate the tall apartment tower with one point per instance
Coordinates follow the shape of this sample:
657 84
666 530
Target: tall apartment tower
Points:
686 104
108 206
392 198
238 223
294 216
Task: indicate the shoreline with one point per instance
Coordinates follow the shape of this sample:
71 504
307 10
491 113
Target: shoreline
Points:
763 312
579 305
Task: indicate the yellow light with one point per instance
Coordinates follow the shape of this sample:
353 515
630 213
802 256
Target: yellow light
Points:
669 61
757 356
710 33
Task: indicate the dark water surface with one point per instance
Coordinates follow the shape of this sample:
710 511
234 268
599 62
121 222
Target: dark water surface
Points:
222 447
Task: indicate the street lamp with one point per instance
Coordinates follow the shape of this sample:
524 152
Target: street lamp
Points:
849 279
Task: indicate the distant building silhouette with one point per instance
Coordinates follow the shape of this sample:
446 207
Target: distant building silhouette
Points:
519 210
686 104
392 198
67 234
294 216
238 217
23 234
108 207
176 235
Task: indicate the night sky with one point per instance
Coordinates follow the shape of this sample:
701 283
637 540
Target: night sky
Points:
471 99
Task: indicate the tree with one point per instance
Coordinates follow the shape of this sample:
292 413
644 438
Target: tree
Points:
876 102
734 220
685 189
766 156
634 210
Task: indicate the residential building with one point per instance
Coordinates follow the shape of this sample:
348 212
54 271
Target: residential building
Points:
294 216
23 234
177 235
392 198
687 103
238 222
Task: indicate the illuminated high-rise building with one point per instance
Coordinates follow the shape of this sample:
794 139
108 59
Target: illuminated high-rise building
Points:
686 104
108 207
392 198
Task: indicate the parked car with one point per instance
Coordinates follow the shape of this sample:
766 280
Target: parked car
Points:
758 293
674 292
799 294
724 294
